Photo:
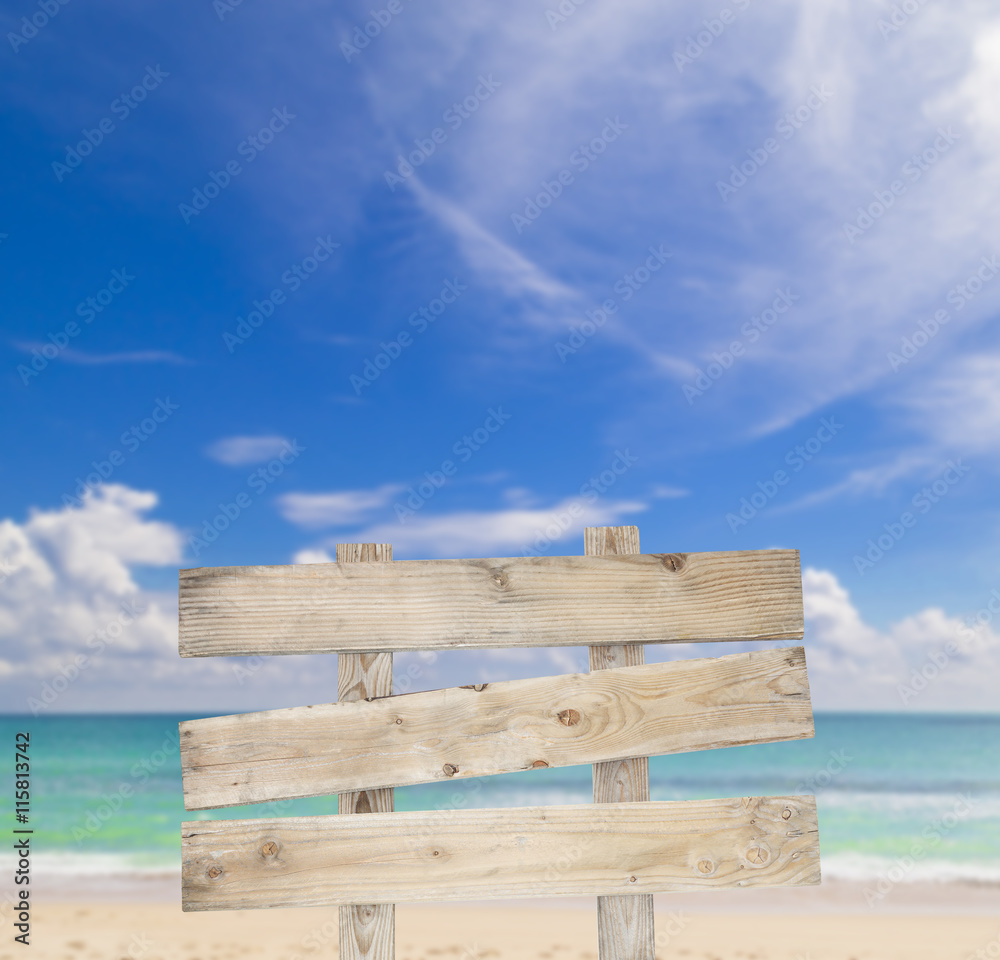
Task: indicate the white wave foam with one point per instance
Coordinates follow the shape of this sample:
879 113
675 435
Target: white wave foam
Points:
73 864
983 806
863 868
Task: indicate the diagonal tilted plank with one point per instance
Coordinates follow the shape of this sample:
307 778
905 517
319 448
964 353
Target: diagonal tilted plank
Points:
367 931
549 851
474 731
506 602
624 923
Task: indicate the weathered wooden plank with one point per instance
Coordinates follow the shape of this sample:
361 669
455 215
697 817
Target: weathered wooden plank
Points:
507 602
550 851
366 931
657 708
624 923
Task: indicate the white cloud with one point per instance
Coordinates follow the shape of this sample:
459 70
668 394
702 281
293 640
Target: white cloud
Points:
79 632
853 665
337 507
93 546
239 451
68 589
313 556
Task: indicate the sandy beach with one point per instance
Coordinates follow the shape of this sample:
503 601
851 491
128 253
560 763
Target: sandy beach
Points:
917 922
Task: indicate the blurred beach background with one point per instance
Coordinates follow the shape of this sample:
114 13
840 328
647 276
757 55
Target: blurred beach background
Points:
908 811
467 278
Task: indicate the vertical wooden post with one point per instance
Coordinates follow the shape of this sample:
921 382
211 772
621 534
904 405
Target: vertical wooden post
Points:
367 932
624 924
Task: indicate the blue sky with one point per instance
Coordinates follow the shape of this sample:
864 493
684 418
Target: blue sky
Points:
685 249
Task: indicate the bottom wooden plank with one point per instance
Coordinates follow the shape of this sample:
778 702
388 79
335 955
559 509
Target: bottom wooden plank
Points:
557 851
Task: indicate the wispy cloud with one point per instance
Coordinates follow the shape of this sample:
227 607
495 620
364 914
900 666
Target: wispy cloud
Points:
958 407
127 356
238 451
663 492
785 226
70 355
495 261
487 532
336 507
866 481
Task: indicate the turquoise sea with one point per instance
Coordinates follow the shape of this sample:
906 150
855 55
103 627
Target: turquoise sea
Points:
915 794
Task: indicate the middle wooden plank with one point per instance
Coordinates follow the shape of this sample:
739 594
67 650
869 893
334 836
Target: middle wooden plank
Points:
743 698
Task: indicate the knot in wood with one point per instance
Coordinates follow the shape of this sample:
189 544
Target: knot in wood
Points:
705 866
214 872
269 848
538 764
499 577
674 562
399 719
478 687
786 813
757 854
569 717
450 770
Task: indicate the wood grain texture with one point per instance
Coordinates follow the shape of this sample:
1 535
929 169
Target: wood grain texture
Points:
549 851
474 731
507 602
624 923
366 931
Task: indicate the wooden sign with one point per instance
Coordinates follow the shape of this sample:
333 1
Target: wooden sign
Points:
614 600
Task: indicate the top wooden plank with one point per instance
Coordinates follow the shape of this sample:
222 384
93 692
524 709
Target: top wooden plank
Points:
506 602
